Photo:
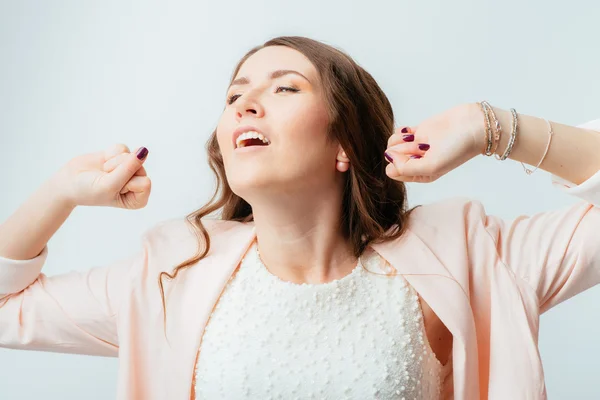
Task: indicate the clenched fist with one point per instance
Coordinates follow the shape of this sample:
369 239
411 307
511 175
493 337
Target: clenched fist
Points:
113 178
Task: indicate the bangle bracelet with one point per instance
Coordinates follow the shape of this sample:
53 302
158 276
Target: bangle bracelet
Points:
497 131
550 134
488 130
513 135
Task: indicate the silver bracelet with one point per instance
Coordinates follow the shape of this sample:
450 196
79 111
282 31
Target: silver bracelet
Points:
513 135
550 134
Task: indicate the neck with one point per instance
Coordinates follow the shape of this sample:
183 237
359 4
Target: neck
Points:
300 239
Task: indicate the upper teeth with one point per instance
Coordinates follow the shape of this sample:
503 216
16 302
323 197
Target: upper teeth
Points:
250 135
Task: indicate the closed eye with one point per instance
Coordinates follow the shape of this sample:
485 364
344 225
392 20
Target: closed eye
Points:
231 99
287 88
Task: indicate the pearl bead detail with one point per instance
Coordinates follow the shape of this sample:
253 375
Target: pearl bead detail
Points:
358 337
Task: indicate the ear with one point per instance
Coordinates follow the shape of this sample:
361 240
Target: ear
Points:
342 161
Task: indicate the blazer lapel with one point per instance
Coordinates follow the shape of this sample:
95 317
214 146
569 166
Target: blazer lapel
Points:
427 275
192 299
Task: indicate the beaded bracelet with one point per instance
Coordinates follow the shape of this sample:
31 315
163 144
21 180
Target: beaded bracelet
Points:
513 135
497 130
488 130
493 135
493 139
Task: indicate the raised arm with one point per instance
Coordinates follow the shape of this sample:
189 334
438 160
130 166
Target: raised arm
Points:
73 312
558 252
436 146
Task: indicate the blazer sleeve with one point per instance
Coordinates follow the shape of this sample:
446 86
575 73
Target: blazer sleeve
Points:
556 252
74 312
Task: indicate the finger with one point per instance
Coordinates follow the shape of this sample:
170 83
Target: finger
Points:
137 184
115 150
406 166
410 149
127 169
114 162
139 195
402 135
392 172
141 172
406 129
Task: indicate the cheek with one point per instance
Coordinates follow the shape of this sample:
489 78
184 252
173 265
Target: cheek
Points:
308 124
224 129
308 151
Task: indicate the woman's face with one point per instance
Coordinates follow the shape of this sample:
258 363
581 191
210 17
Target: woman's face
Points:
277 92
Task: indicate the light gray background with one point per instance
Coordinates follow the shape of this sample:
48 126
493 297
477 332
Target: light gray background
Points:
79 76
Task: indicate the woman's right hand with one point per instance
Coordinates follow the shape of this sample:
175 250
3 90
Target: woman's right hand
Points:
113 178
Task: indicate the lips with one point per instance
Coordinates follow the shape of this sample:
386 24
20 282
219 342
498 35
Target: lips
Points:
243 129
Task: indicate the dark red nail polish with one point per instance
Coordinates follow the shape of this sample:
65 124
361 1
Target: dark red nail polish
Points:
415 156
408 138
404 130
142 153
388 157
423 146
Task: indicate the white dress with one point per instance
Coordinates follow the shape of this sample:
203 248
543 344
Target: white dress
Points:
358 337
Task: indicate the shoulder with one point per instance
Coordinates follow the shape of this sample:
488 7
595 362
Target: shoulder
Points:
449 212
176 240
454 221
176 230
454 230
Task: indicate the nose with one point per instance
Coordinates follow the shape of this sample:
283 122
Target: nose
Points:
248 105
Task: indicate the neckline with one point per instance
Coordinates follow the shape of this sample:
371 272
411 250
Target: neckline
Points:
331 284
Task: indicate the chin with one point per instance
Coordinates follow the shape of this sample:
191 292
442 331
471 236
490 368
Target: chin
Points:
245 185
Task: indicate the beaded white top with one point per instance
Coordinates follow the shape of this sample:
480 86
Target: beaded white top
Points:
358 337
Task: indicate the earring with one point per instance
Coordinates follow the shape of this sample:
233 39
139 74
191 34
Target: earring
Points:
343 166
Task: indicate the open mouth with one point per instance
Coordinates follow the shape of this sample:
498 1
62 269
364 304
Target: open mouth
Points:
251 138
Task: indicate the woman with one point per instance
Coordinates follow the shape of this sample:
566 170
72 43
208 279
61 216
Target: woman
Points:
316 280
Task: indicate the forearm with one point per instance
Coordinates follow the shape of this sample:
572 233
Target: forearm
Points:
574 153
25 233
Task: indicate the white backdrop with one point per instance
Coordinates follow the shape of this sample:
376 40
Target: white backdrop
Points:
79 76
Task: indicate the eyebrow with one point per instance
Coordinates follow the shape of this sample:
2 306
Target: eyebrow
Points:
274 75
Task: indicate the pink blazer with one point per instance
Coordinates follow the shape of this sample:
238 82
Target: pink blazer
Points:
486 278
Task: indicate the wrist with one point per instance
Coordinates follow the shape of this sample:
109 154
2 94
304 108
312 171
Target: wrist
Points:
57 193
477 125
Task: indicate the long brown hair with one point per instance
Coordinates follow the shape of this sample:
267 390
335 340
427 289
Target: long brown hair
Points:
361 120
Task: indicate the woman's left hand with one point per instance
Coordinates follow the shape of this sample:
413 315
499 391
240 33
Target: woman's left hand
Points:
436 146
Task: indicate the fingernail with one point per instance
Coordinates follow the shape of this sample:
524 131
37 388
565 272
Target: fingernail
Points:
408 138
423 146
388 157
415 156
142 153
404 130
